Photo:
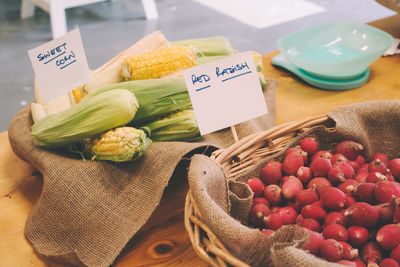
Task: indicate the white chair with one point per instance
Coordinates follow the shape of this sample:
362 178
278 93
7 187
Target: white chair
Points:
56 10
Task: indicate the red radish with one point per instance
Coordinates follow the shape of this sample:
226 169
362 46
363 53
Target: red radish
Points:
322 154
378 166
304 174
318 203
320 166
275 209
346 168
346 263
258 212
311 224
309 145
364 192
299 150
358 235
349 253
320 184
374 177
388 237
299 218
336 175
394 166
305 197
313 242
335 231
384 191
331 250
348 148
292 162
361 176
338 158
343 186
271 173
362 214
388 262
333 198
359 263
292 186
312 211
273 194
288 215
335 217
262 200
355 165
360 159
273 221
267 232
381 157
284 179
387 212
256 185
395 254
350 200
371 253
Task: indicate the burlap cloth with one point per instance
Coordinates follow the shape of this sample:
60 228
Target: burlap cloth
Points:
224 205
89 210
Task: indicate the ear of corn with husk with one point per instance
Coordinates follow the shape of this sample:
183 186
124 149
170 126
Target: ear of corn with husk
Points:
120 144
91 116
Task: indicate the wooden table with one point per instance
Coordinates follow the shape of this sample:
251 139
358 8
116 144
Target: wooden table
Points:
163 240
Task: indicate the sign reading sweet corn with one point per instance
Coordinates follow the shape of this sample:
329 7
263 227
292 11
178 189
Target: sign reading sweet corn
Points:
225 92
60 65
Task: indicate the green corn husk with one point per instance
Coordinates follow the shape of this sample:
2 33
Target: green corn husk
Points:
178 126
120 145
208 46
157 97
93 115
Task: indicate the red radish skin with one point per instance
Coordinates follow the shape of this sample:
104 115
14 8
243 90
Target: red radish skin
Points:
349 253
257 214
311 224
362 214
271 173
347 263
304 174
322 154
331 250
385 190
350 200
343 186
256 185
318 203
348 148
284 179
309 145
338 158
378 166
374 177
273 221
361 177
371 253
299 150
388 237
335 217
292 163
358 235
360 159
364 192
387 212
313 242
291 187
260 200
320 184
395 254
305 197
336 175
299 219
355 165
320 166
394 166
275 209
267 232
359 263
312 211
288 215
333 198
388 262
346 168
273 194
381 157
335 231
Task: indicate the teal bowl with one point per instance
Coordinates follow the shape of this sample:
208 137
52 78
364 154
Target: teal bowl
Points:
335 50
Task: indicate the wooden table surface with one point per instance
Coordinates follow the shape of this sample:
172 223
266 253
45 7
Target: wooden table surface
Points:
163 240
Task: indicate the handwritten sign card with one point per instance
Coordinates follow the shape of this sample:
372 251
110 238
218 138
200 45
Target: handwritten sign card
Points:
60 65
225 92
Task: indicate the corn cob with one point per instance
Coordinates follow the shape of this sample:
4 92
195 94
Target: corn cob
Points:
119 144
158 63
93 115
178 126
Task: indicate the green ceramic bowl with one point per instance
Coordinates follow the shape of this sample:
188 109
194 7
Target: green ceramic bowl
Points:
335 50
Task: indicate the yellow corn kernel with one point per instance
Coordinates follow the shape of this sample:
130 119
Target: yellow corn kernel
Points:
158 63
77 93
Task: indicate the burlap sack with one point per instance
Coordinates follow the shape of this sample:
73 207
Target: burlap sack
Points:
89 210
224 205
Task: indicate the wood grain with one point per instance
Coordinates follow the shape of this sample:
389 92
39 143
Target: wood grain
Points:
163 240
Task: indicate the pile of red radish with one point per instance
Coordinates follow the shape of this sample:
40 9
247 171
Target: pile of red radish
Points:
350 206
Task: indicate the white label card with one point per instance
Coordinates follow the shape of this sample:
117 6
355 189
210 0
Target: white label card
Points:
60 65
225 92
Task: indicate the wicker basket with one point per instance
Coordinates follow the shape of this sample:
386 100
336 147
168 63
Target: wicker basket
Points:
236 160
